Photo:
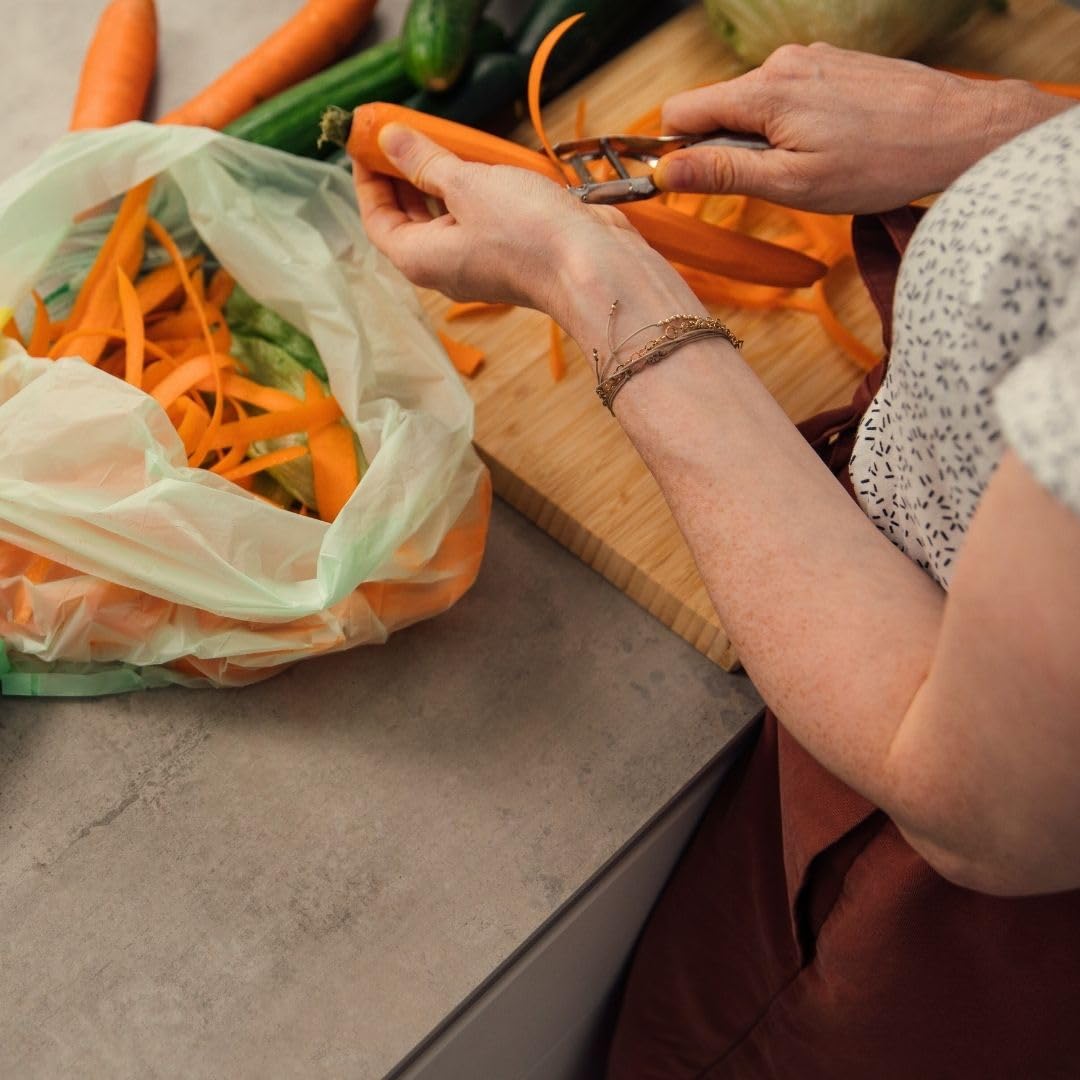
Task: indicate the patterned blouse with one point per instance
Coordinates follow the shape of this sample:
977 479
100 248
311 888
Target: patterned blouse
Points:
986 349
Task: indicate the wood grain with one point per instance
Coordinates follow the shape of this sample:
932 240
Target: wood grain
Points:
559 458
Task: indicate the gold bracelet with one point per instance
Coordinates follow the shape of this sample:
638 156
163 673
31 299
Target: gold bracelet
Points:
676 331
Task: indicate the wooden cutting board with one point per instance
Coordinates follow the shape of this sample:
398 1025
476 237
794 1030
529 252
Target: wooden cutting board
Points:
555 453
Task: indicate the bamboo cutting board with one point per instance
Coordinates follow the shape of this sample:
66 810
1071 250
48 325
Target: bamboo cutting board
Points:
555 453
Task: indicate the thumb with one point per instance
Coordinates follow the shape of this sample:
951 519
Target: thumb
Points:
724 171
422 162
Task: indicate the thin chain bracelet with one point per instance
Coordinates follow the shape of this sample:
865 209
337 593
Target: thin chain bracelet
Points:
676 331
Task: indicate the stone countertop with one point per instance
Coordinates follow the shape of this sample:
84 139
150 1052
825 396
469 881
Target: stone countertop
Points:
305 877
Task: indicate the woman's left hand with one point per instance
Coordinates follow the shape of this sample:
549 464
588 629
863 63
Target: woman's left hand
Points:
508 235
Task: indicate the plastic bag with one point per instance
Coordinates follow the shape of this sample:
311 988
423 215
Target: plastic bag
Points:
122 568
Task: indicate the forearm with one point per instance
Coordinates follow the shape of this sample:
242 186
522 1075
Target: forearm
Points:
974 118
809 591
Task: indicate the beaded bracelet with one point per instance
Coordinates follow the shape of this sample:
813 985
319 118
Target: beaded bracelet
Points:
676 331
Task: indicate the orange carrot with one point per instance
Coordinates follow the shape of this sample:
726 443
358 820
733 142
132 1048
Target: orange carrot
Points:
466 358
317 34
253 393
265 461
119 66
674 235
59 347
134 331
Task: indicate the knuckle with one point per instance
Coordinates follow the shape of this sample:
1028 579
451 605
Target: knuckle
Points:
788 59
721 174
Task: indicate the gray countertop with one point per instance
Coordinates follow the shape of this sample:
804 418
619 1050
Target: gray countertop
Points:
305 877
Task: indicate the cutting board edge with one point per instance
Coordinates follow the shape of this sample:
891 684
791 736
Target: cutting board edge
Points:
708 639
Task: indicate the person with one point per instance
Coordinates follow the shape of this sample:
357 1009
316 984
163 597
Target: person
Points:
887 885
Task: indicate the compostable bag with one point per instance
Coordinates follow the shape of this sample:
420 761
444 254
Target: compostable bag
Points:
120 566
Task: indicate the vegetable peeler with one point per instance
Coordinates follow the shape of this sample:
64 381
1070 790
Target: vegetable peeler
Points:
649 149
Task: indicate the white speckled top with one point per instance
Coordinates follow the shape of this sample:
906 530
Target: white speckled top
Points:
986 348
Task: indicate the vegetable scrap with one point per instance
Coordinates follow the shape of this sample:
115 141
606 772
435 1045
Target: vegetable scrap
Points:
465 358
245 390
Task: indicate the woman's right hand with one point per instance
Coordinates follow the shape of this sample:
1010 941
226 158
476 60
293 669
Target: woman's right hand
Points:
852 132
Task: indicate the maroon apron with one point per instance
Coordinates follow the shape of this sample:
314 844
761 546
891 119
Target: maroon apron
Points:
801 937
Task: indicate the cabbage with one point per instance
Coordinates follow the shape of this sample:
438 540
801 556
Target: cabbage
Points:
754 28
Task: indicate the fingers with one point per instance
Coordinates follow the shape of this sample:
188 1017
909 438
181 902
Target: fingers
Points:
380 210
422 162
767 174
737 105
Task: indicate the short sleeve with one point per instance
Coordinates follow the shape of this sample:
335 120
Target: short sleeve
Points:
1038 406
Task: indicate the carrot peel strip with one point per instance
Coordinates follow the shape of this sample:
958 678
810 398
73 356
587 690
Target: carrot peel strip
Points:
557 355
465 358
39 338
134 330
536 78
333 459
265 461
160 234
474 307
274 425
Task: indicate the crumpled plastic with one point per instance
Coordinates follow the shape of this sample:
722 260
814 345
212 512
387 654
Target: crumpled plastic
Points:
121 567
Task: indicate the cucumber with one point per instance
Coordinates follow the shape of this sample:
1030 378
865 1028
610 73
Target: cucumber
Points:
495 81
607 25
437 40
290 120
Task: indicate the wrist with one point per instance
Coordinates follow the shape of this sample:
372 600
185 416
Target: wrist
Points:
611 264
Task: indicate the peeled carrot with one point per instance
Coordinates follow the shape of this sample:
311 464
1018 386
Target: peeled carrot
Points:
674 235
119 66
316 35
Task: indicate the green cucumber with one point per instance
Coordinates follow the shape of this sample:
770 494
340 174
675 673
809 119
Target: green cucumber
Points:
437 40
607 24
495 81
290 120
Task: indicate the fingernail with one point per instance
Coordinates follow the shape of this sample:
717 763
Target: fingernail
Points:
395 140
672 174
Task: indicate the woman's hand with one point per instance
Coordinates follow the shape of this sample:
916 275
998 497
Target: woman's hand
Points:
853 133
507 235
